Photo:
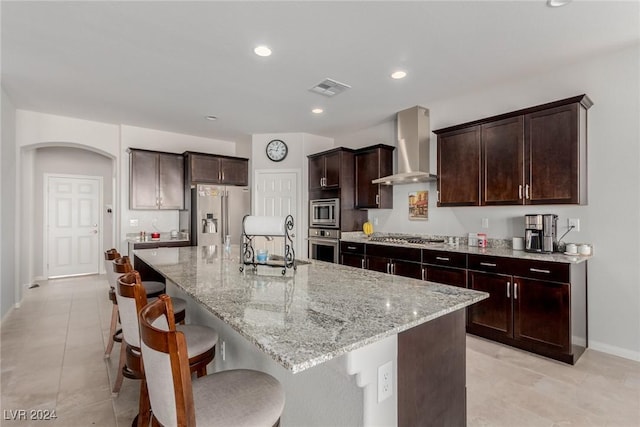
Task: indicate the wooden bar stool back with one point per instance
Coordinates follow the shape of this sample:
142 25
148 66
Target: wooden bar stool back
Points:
238 397
131 299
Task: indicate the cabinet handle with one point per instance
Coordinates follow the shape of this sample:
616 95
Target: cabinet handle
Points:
222 176
388 268
362 263
442 258
353 248
438 196
508 286
393 269
424 273
160 202
538 270
488 264
520 192
515 290
377 199
526 191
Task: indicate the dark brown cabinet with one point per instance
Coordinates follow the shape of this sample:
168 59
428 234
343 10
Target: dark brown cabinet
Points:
394 260
352 254
156 180
538 306
326 169
373 163
503 162
211 169
459 167
532 156
449 268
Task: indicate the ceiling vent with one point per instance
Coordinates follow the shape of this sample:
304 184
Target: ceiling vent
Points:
329 87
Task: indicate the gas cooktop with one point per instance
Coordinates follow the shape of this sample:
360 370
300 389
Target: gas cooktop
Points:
416 240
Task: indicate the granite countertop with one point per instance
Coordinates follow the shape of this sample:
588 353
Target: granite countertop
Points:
496 251
307 317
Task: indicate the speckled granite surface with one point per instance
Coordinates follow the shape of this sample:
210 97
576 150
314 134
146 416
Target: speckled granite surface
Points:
305 318
502 248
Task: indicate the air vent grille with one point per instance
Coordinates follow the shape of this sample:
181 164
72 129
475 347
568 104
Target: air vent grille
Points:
329 87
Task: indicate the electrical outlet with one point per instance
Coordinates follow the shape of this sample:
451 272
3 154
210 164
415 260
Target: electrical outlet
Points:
375 220
133 223
575 222
485 222
223 352
385 381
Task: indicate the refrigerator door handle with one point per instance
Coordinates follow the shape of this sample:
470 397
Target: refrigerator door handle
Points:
226 214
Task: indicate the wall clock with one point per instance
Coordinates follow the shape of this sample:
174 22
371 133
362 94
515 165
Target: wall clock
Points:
277 150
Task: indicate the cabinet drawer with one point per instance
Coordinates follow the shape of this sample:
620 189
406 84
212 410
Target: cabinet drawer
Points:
395 252
445 275
448 259
493 264
544 270
351 247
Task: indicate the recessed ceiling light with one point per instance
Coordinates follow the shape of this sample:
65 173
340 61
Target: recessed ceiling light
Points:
211 117
317 111
262 51
558 3
398 75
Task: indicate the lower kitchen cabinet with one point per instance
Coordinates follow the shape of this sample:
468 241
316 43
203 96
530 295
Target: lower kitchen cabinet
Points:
352 254
544 313
395 260
449 268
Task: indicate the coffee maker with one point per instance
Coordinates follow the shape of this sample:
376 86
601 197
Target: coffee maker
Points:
540 232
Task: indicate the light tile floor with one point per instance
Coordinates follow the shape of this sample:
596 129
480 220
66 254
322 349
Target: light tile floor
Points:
52 359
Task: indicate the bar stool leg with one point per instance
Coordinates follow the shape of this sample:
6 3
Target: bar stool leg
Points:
121 363
112 331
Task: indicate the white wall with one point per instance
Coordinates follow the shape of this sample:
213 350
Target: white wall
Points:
611 220
8 171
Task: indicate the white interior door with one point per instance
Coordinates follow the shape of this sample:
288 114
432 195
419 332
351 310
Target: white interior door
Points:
73 207
277 195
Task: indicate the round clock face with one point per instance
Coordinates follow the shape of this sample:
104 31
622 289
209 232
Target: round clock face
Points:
277 150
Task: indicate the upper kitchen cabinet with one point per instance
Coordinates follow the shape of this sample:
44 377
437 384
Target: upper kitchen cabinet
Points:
533 156
459 167
373 163
331 169
556 153
157 180
211 169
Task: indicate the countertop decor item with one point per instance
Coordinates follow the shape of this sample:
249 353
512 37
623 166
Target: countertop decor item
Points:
367 228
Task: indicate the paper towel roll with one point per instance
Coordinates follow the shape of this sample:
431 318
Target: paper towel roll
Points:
264 226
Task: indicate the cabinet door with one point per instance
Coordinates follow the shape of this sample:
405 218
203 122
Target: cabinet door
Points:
171 180
378 264
459 167
542 313
407 269
447 276
234 171
205 169
332 164
352 260
492 317
372 165
143 189
552 155
316 172
502 162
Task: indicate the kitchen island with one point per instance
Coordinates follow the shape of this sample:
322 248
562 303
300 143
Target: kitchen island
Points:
325 330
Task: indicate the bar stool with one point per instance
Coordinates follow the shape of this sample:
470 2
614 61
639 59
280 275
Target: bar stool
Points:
123 266
201 340
238 397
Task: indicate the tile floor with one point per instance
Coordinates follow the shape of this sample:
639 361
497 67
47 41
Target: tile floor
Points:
52 359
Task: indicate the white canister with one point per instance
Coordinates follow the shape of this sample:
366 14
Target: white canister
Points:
517 243
584 249
571 248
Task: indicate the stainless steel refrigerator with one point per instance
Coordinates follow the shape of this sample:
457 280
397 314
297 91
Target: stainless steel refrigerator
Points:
216 211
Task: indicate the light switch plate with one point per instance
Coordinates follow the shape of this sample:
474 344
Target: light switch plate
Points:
133 223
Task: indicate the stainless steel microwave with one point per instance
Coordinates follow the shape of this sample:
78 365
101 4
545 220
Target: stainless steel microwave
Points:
324 213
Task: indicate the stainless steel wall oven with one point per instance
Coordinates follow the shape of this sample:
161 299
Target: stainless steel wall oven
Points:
324 244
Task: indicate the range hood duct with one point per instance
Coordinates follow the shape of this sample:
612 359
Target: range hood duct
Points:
412 133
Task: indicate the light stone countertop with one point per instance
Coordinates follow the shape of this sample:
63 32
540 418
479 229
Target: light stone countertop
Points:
309 316
500 251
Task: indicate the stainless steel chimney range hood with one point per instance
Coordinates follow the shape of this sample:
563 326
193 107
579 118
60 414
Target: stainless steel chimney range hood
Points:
413 134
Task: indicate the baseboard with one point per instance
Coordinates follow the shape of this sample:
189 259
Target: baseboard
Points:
616 351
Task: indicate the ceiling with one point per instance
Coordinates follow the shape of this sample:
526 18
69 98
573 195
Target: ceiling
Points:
167 65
